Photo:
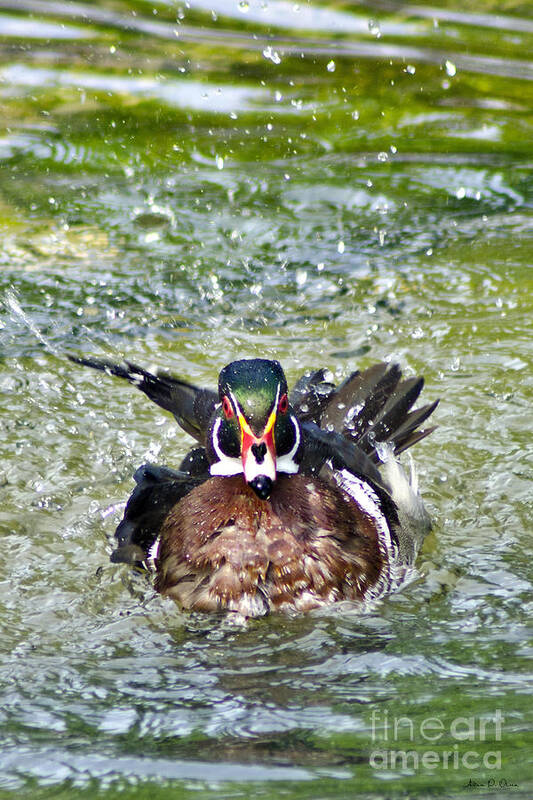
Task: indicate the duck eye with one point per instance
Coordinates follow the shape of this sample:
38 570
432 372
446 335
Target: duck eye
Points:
226 408
283 405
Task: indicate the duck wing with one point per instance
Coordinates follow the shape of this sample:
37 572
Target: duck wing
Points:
322 447
310 395
191 406
158 490
374 406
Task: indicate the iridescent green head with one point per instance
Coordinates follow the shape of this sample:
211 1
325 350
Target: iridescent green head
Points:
254 430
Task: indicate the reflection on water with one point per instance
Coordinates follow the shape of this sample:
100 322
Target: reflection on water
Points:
186 183
185 93
304 16
23 28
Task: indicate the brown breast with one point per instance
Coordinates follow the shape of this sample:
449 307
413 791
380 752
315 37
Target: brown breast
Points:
309 544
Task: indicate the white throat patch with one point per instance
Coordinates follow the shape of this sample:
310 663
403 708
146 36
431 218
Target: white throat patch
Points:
229 465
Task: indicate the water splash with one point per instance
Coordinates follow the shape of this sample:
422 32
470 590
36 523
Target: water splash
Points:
17 313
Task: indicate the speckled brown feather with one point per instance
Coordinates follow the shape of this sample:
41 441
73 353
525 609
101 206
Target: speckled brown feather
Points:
309 544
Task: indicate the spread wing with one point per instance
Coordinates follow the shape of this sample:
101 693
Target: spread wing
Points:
349 422
191 406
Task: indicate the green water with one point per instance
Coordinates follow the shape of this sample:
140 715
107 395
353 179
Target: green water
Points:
330 186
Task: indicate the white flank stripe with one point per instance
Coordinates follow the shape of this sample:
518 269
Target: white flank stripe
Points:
367 499
153 552
151 556
394 572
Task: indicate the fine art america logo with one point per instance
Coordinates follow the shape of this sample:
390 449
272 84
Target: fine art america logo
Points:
451 745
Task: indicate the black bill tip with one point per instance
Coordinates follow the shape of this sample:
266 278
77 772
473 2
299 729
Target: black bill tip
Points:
262 486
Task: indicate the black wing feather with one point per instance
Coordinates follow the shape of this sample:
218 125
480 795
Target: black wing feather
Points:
322 446
310 395
392 413
367 408
191 406
158 490
373 394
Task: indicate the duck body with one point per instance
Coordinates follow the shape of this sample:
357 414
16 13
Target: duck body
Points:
308 545
288 502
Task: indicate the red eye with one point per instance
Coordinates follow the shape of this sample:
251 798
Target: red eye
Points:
283 405
226 408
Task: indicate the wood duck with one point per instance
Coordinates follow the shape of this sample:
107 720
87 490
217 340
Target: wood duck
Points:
289 501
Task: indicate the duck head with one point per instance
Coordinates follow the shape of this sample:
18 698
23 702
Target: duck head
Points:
254 430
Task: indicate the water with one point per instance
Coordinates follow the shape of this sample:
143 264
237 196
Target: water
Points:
183 184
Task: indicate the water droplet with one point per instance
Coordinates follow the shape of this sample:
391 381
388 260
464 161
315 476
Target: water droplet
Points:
460 193
450 68
382 156
354 411
340 247
393 149
220 162
301 277
320 266
244 6
410 69
273 55
384 451
374 28
331 66
278 97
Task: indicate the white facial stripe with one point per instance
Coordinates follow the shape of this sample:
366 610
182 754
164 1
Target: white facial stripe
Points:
276 401
286 463
236 407
227 464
